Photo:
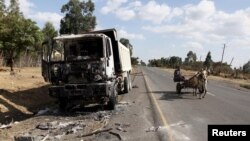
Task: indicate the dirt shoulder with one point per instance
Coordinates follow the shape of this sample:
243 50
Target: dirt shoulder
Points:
33 115
21 94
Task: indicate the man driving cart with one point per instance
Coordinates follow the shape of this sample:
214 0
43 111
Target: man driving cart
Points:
177 75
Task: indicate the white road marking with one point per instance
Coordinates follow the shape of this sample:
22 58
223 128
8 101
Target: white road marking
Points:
211 94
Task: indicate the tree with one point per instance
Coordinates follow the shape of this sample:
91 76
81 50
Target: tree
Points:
14 7
17 33
246 67
49 31
134 60
142 63
166 62
175 61
2 11
208 62
191 58
126 43
2 6
78 17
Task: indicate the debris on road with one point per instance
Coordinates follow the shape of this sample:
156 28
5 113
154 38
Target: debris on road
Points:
124 103
7 126
63 128
153 129
135 86
116 134
125 125
180 123
29 138
70 127
45 138
121 127
102 115
42 112
96 132
47 126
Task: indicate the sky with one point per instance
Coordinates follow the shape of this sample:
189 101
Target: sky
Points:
164 28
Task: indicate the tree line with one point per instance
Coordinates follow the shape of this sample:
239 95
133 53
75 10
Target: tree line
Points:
191 63
21 39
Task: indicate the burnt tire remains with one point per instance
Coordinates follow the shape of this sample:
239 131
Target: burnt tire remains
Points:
126 85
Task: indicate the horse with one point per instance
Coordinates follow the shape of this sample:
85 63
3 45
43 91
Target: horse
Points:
202 77
198 81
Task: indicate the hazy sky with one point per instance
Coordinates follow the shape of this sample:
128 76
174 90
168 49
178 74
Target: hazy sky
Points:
163 28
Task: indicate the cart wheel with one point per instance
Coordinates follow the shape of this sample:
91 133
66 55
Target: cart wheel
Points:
201 89
178 88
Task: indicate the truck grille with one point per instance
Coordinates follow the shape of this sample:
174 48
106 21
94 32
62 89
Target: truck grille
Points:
86 90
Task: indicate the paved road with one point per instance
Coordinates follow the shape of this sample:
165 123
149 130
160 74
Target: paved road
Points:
186 117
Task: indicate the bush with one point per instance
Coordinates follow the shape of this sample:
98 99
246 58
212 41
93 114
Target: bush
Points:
245 86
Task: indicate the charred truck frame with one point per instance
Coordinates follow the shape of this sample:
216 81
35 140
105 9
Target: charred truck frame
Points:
91 68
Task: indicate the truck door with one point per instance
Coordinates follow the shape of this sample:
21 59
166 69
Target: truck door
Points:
46 50
110 59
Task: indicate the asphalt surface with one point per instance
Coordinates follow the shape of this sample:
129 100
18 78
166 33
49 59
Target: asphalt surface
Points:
151 111
138 113
185 117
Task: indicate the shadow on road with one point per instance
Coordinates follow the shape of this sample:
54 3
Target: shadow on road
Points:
172 95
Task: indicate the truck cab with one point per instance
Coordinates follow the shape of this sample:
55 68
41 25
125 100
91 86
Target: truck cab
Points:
85 67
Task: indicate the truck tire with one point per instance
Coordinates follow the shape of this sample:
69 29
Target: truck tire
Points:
63 102
112 100
126 85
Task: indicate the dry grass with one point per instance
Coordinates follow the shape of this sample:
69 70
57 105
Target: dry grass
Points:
245 86
22 94
23 79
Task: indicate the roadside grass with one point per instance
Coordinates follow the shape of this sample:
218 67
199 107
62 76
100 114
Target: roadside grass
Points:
245 86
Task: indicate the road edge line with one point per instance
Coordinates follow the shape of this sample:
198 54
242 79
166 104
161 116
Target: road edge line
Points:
157 109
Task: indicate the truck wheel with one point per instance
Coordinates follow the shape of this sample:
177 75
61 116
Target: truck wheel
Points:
126 85
63 103
112 101
178 88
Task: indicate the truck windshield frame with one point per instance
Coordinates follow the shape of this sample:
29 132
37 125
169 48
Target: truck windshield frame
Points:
84 49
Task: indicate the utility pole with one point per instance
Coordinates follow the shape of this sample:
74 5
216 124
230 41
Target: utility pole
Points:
223 53
222 58
231 61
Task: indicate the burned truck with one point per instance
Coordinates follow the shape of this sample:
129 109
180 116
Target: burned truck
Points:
93 67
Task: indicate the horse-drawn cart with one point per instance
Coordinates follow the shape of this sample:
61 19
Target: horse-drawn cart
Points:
192 82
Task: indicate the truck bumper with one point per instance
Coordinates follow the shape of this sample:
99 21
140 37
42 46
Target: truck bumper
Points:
86 92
